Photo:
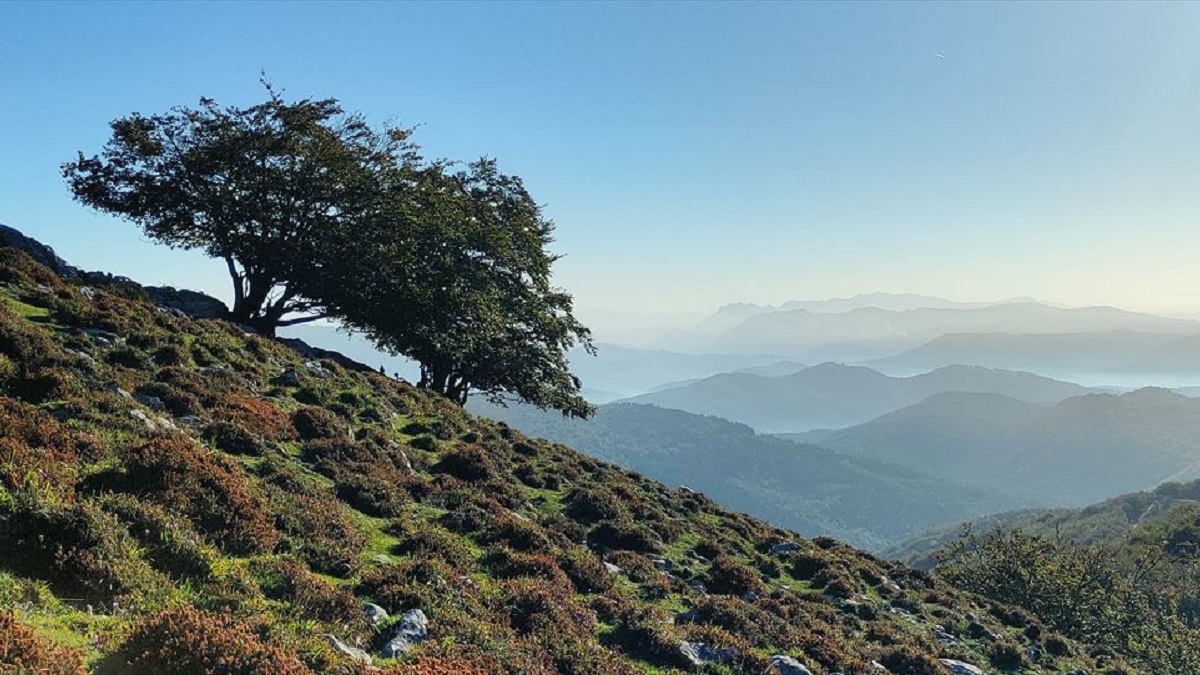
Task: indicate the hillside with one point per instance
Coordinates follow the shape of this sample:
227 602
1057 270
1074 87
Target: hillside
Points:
864 502
1104 522
179 496
1081 450
834 396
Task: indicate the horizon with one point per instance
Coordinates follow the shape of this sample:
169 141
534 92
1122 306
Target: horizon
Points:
696 155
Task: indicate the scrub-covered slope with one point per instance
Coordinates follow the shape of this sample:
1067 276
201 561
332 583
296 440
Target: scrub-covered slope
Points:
179 496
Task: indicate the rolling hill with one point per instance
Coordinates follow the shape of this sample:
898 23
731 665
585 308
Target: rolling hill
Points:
833 396
1082 450
866 502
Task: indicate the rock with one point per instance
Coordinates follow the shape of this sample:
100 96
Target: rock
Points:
786 665
961 668
698 585
87 292
375 614
316 368
785 547
750 596
151 425
943 637
191 421
36 250
699 653
353 652
114 389
412 631
612 569
152 402
288 378
663 564
190 304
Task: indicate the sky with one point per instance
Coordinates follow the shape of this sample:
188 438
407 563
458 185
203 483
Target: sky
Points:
691 154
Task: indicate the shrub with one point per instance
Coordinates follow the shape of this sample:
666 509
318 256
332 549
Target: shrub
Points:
310 596
429 540
185 641
169 542
312 423
24 651
590 505
731 577
585 570
213 495
79 550
906 660
468 462
624 534
233 438
129 357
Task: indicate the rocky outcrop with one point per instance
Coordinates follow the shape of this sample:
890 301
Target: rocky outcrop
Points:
36 250
412 631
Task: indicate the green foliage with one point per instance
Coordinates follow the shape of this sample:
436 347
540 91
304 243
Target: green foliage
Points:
1128 596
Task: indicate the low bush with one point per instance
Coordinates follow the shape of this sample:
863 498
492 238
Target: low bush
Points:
186 641
24 651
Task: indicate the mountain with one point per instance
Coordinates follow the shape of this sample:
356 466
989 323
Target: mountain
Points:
867 503
833 396
797 332
1060 355
1180 356
949 433
730 315
1081 450
179 496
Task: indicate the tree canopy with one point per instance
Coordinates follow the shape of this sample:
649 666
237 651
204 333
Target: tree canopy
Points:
316 214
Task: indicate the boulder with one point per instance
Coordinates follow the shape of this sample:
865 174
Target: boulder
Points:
699 653
961 668
784 547
288 378
36 250
191 304
375 614
786 665
412 631
152 402
353 652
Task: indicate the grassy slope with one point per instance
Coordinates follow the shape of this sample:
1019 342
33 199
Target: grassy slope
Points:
252 514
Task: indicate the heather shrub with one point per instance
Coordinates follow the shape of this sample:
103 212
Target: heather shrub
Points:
585 570
467 462
169 542
731 577
624 533
233 438
215 496
186 641
24 651
312 423
591 505
79 550
311 597
422 539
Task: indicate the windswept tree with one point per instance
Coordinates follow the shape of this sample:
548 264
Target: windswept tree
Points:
262 188
456 275
316 215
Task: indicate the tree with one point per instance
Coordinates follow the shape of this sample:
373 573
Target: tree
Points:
454 274
261 188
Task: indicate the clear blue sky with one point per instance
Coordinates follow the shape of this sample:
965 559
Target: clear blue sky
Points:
692 154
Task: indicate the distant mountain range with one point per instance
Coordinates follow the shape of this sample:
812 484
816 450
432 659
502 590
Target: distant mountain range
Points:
1106 521
834 396
1062 354
866 332
866 502
1083 449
